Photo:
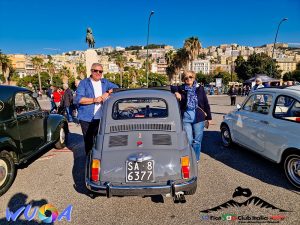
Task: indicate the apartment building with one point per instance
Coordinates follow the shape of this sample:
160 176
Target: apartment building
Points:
200 65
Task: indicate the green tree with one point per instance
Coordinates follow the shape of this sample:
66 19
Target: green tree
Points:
81 71
226 77
64 73
202 56
50 69
256 64
192 46
178 62
120 60
6 66
37 64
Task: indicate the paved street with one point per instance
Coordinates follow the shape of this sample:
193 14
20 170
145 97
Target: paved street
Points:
57 177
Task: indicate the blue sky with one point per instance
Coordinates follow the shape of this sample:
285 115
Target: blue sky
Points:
30 26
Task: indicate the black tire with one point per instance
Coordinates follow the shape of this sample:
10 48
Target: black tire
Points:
191 192
291 167
226 136
61 142
7 171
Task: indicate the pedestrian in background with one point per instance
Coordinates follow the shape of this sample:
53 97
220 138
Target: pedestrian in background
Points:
247 89
233 93
258 84
90 95
67 102
56 95
194 108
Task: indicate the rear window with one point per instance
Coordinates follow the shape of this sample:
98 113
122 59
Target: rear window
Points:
139 108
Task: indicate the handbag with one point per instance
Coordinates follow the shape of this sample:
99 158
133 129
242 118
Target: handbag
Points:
206 123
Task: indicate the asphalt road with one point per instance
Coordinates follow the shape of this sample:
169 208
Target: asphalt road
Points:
57 177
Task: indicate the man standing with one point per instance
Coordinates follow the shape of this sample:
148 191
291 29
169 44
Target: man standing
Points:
233 92
90 95
67 102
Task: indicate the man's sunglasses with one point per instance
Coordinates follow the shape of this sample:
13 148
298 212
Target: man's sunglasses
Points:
97 71
189 77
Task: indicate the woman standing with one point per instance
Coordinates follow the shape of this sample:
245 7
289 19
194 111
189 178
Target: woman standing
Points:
56 96
194 108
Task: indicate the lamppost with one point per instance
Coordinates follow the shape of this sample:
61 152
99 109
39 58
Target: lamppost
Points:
147 59
284 19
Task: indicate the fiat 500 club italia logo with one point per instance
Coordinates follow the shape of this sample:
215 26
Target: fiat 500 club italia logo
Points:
47 213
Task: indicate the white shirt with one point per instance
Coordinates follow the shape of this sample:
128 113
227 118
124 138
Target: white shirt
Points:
98 92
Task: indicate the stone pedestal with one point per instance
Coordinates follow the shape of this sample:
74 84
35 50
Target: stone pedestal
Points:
90 58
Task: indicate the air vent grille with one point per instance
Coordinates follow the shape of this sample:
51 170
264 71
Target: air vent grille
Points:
137 127
119 140
161 139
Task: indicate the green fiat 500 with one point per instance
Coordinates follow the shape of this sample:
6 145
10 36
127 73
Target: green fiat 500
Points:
25 130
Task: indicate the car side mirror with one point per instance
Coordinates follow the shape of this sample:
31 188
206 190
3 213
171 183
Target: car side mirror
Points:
34 95
238 106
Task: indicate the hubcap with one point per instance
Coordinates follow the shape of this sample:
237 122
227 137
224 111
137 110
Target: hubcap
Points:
225 137
62 135
294 169
3 171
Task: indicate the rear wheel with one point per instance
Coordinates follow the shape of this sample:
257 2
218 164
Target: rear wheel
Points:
7 171
61 142
226 136
292 168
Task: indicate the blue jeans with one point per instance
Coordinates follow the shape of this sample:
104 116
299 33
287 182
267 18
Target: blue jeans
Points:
195 134
69 113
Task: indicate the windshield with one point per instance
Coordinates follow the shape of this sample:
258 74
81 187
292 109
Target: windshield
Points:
137 108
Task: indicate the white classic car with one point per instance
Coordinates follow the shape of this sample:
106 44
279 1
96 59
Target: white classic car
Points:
268 122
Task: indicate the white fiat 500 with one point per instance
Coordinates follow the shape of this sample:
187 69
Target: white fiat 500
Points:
268 122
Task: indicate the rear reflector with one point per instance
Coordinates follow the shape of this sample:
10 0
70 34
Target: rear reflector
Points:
95 170
185 167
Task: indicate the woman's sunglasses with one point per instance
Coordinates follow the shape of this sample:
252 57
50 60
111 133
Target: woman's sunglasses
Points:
97 71
189 77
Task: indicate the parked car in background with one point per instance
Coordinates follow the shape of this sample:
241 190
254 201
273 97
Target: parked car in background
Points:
142 148
25 130
268 122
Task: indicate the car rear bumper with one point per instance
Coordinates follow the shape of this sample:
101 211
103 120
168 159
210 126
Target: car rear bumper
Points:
171 188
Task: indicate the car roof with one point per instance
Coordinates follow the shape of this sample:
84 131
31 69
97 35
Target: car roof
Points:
289 90
143 92
11 89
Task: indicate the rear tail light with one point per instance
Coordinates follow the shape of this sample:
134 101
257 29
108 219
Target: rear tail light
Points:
185 167
95 170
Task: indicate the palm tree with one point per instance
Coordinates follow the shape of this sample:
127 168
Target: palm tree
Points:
179 61
192 46
6 66
169 56
51 70
81 70
120 61
37 64
65 74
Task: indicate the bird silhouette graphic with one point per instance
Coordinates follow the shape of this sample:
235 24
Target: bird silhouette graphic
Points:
244 192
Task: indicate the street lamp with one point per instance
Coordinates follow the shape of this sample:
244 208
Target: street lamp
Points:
147 60
284 19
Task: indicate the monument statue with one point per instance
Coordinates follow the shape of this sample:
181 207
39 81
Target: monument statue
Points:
90 38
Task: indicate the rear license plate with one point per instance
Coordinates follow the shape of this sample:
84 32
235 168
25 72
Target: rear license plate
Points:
140 171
